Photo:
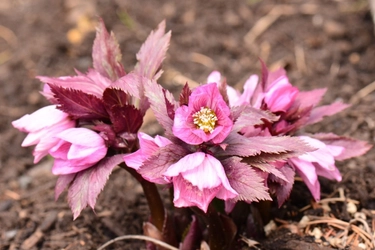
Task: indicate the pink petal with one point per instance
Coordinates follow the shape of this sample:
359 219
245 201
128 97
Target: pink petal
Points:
214 76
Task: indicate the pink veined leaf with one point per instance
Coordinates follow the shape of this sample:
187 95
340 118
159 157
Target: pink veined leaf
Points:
155 166
280 187
251 116
152 52
245 180
243 146
78 104
318 113
106 54
63 182
157 97
352 147
306 99
87 184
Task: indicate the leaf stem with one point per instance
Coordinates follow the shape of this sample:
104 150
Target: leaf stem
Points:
154 201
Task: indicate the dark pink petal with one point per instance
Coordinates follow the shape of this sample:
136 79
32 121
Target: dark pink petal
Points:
318 113
187 195
245 180
87 184
306 99
152 52
352 147
78 149
106 54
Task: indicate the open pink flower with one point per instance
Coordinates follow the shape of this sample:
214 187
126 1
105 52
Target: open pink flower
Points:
78 149
317 163
147 146
197 179
42 125
206 118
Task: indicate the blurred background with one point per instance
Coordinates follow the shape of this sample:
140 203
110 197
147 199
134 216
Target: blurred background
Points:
320 43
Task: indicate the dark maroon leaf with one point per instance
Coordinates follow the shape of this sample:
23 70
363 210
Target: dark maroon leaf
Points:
78 104
184 95
126 118
169 105
115 97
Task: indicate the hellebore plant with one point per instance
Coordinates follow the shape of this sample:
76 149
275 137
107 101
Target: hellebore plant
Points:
221 151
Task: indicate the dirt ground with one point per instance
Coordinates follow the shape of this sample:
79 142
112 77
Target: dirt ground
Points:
321 43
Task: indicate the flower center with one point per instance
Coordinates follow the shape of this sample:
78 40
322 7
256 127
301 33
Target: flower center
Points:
205 119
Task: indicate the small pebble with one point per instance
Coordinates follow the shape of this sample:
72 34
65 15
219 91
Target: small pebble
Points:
10 234
351 208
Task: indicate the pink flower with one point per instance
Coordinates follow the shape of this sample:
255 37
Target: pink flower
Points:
197 179
42 125
317 163
78 149
206 118
147 146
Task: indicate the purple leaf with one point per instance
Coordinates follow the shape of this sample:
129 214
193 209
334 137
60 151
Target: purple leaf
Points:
184 95
243 146
88 183
152 52
245 180
126 118
193 236
155 166
282 188
352 147
63 182
251 116
106 54
157 97
224 91
169 105
115 97
318 113
78 104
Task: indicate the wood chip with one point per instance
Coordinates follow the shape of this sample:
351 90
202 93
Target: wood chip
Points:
32 240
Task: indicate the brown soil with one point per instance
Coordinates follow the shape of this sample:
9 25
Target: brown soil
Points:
321 43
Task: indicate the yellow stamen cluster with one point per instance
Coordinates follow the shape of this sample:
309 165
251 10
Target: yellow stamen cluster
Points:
205 119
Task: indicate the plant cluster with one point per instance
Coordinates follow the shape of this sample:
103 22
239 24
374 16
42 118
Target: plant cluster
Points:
221 149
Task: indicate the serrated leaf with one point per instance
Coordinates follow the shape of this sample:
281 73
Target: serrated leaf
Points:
106 54
242 146
115 97
250 116
126 118
157 97
78 104
184 95
88 183
245 180
352 147
282 188
63 182
152 52
155 166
